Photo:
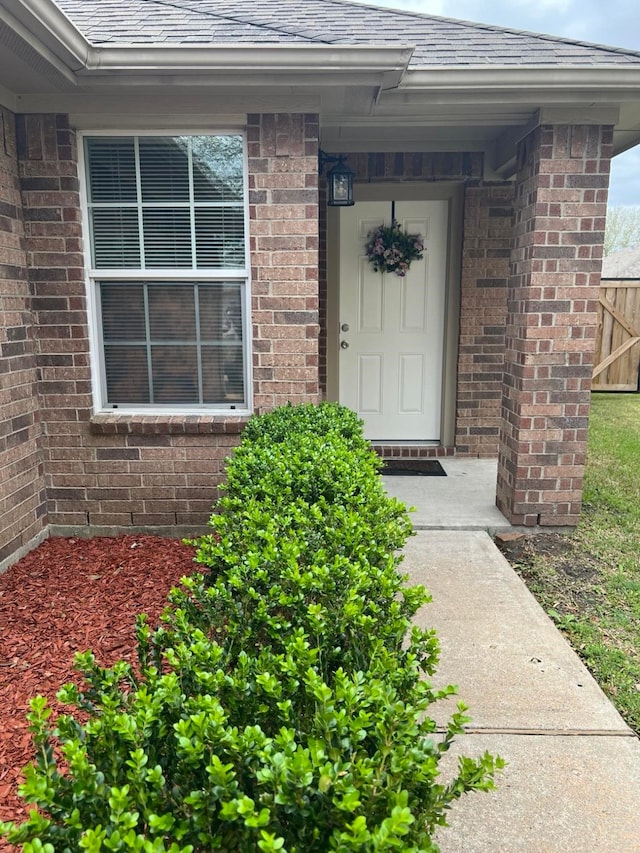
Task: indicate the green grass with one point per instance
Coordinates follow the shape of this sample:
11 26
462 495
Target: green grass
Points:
590 583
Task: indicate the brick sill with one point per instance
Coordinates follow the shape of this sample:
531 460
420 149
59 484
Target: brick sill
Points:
122 424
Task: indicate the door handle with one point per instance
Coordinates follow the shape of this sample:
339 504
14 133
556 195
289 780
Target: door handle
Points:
344 345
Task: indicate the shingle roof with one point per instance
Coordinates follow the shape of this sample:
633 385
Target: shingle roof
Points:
438 41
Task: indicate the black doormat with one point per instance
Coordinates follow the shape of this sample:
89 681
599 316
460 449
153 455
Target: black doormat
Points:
413 468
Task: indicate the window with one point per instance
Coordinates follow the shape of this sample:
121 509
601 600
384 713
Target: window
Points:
166 218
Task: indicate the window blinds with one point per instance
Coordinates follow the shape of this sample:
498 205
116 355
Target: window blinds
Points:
166 202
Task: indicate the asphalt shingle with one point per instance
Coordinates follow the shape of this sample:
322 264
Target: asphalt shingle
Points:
438 41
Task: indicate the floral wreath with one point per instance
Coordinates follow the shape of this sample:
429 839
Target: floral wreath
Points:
391 249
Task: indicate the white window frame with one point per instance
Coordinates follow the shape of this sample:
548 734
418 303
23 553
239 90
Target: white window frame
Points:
94 277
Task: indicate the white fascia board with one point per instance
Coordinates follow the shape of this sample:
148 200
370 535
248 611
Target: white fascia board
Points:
471 78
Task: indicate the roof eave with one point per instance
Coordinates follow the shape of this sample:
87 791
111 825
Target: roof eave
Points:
533 77
48 30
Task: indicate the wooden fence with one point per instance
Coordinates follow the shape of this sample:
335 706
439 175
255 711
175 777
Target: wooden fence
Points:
617 356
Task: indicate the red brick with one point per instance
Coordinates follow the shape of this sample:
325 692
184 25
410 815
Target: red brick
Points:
557 237
22 488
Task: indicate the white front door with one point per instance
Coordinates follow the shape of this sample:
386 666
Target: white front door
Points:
392 328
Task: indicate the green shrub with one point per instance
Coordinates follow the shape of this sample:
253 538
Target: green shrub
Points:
345 595
306 537
308 466
278 426
263 755
319 486
282 704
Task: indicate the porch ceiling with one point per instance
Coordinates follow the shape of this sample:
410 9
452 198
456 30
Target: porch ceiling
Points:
490 123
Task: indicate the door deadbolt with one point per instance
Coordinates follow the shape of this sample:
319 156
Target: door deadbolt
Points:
345 327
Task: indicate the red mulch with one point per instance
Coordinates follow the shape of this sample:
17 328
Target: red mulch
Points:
70 595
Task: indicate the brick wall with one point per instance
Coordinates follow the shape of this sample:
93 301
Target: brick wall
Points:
488 213
118 471
283 207
114 470
561 197
416 166
22 498
49 183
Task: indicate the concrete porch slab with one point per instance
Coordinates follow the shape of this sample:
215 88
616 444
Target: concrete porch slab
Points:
464 499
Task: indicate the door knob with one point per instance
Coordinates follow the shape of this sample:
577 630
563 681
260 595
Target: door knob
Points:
344 345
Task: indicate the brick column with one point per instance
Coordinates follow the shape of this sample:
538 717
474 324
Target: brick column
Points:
283 209
47 159
486 250
561 197
22 495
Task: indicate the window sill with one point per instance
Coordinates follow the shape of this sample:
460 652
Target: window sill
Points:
129 424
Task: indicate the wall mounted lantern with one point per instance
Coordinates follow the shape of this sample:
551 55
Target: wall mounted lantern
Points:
339 179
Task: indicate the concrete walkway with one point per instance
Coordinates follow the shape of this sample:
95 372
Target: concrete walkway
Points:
573 777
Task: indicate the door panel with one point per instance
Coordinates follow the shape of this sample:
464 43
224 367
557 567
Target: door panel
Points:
392 328
370 383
